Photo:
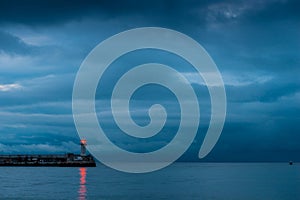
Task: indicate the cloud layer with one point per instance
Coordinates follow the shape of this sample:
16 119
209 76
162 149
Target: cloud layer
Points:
255 44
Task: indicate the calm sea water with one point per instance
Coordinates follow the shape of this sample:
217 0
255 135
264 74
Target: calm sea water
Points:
178 181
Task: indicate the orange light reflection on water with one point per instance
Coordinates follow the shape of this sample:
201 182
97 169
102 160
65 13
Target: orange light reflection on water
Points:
82 188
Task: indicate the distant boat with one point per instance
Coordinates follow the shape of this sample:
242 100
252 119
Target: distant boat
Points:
291 162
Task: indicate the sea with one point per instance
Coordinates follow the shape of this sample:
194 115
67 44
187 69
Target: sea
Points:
228 181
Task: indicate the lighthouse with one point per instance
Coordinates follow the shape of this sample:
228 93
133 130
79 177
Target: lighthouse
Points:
83 147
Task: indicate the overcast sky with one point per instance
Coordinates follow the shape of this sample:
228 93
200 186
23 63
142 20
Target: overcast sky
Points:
255 44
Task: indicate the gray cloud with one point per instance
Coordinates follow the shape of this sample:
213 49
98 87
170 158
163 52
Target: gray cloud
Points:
263 92
65 147
13 45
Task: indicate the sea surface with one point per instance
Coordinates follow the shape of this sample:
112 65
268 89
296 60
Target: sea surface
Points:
228 181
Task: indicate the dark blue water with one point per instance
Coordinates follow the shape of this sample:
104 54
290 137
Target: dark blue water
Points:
178 181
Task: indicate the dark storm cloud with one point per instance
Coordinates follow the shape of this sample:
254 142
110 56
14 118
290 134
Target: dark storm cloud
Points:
276 11
40 12
49 12
34 12
255 44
